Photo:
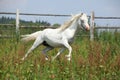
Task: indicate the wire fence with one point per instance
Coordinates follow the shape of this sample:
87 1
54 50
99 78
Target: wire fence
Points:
92 18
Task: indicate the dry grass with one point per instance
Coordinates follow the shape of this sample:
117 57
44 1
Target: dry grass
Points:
96 60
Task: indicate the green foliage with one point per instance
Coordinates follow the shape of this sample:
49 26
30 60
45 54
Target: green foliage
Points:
98 60
7 20
8 30
56 25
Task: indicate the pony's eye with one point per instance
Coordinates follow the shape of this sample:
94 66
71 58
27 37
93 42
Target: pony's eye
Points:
82 21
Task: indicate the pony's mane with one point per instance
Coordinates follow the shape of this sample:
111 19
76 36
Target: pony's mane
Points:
68 23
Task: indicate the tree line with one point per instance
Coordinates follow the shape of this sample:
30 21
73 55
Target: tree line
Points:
9 20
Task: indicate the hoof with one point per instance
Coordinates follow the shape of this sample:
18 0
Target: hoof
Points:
68 57
53 58
46 59
23 59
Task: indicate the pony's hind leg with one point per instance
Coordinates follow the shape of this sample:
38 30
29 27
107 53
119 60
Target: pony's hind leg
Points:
37 42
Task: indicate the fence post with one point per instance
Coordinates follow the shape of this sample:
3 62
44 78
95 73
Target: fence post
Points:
17 21
17 24
92 27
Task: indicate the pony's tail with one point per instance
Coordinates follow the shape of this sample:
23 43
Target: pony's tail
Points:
29 37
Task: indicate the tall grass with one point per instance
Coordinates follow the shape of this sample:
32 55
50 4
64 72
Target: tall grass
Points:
98 60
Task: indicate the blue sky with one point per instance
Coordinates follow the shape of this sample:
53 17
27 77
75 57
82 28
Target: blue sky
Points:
100 7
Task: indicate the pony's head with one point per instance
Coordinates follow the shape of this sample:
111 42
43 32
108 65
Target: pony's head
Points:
83 21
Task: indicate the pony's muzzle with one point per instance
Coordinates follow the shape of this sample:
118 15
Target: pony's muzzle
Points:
87 27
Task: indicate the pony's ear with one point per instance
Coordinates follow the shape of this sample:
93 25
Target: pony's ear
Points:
72 15
81 13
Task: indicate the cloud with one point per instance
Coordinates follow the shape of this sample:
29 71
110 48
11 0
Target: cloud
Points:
11 4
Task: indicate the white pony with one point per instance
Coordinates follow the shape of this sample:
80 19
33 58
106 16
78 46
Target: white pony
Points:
60 37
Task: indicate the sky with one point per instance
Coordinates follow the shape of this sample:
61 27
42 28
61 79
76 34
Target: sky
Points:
103 8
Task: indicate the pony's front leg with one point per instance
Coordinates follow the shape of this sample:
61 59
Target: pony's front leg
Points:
69 55
66 44
60 51
46 50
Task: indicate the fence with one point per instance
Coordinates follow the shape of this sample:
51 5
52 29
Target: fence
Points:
92 21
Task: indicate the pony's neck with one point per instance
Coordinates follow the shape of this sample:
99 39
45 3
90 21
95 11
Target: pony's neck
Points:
74 25
73 28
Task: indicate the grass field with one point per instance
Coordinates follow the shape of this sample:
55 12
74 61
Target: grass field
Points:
98 60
